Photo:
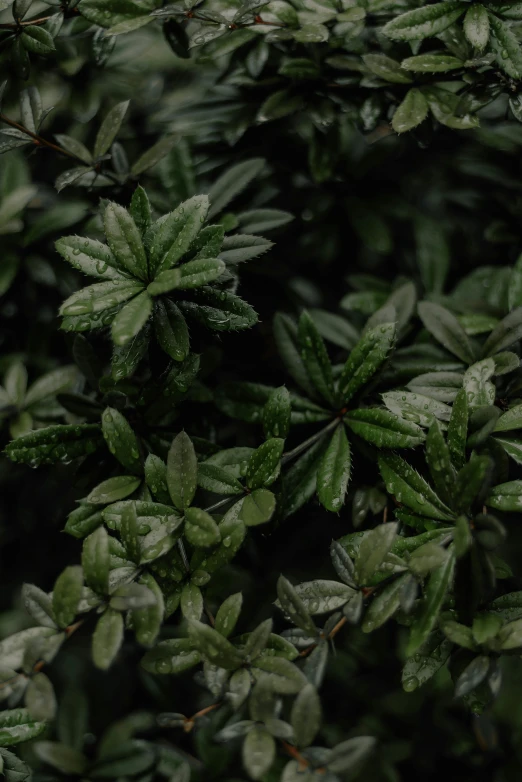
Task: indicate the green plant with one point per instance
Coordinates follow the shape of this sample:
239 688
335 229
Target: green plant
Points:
289 487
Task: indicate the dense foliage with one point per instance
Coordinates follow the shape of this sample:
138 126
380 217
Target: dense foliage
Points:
261 331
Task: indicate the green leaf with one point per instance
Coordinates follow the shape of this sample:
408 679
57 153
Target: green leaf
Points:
383 428
37 40
121 440
50 384
154 154
426 558
472 676
476 382
433 253
258 507
228 614
64 759
373 549
38 605
446 329
439 462
131 319
213 478
334 471
232 183
386 68
170 237
213 646
385 604
364 360
264 464
279 674
17 725
129 532
285 334
109 128
67 593
147 620
424 22
438 585
99 297
506 496
300 481
471 481
276 413
219 310
200 272
508 331
458 429
306 716
293 606
90 257
259 750
510 636
409 488
242 247
476 26
96 11
459 634
182 468
107 638
350 754
431 63
40 699
430 658
322 596
140 209
191 602
53 444
511 419
258 640
200 528
123 237
315 357
171 330
506 47
165 282
173 656
113 489
96 560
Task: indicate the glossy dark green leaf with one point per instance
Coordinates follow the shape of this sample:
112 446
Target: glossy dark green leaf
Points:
59 443
294 607
315 358
228 614
95 560
213 646
258 507
374 547
171 329
182 470
410 488
446 329
384 428
439 582
334 471
107 638
264 464
276 413
121 440
200 528
364 360
67 593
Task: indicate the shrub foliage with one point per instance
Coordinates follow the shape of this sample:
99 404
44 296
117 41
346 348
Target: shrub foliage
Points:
261 324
